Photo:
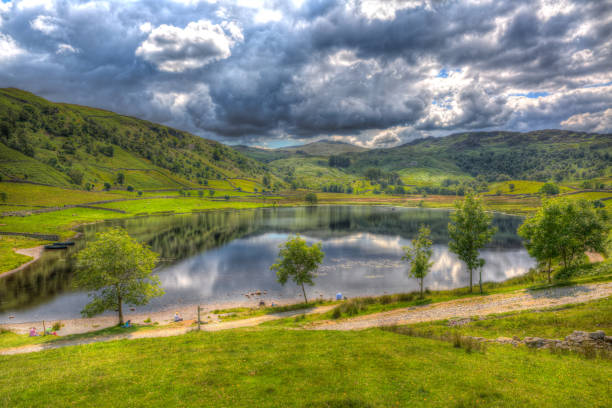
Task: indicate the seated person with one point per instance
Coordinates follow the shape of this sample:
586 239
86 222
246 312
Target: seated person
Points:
33 332
177 318
128 324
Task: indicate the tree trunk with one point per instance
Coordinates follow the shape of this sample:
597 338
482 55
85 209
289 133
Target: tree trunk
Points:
480 279
549 262
471 280
421 288
304 292
120 309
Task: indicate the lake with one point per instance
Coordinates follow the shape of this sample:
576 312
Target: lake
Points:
218 257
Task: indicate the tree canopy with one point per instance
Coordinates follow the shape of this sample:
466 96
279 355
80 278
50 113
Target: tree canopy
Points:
564 230
470 230
298 261
419 255
117 270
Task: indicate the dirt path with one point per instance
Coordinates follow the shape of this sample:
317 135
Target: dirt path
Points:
162 332
476 306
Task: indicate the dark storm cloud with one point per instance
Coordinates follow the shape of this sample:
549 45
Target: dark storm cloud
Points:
353 69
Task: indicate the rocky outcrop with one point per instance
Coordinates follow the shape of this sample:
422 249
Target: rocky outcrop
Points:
576 340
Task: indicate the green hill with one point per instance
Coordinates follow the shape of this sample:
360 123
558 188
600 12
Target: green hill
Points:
539 155
74 146
558 155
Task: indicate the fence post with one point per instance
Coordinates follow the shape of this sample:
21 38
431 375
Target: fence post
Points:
198 317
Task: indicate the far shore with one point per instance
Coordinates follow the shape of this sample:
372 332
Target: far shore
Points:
34 252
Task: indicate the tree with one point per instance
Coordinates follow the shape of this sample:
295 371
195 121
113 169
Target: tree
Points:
120 178
549 189
511 186
211 192
3 196
117 270
564 230
298 261
419 255
541 235
311 198
469 230
76 176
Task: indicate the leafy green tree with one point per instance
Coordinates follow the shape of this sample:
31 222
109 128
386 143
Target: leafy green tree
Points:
311 198
211 192
419 255
76 176
549 189
541 235
116 269
564 230
469 230
298 261
3 196
120 178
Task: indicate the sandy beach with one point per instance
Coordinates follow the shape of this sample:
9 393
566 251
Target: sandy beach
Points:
187 312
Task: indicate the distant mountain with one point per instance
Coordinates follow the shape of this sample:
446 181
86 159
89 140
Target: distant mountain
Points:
69 145
540 155
324 148
320 148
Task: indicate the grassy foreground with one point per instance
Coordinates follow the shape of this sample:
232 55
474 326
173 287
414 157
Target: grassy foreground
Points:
272 368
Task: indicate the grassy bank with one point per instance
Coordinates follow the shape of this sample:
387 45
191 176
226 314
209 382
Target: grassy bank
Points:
588 273
552 323
271 368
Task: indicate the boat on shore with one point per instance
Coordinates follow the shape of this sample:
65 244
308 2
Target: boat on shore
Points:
56 246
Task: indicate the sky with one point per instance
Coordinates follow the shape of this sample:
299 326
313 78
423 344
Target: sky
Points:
271 73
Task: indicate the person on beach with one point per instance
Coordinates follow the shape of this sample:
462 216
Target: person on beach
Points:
33 332
177 318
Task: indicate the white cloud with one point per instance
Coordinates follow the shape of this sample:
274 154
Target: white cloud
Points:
45 24
173 49
146 27
30 4
590 122
264 16
64 49
9 48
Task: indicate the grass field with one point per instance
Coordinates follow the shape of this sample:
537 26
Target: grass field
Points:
521 187
272 368
30 194
430 176
9 259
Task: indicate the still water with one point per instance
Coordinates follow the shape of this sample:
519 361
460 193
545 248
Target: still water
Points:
218 257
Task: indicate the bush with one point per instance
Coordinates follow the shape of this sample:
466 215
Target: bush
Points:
549 189
311 198
76 176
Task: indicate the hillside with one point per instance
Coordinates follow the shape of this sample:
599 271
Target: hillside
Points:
80 147
320 148
545 155
538 155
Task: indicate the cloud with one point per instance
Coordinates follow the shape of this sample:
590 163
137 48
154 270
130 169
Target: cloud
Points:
600 122
9 48
173 49
66 49
363 71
